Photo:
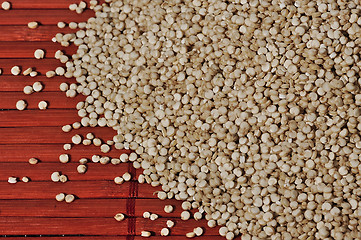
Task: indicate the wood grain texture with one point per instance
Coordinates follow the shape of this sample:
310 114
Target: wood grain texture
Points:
48 190
44 33
43 5
46 17
42 171
25 50
85 208
33 118
60 226
47 153
49 135
41 66
11 83
55 100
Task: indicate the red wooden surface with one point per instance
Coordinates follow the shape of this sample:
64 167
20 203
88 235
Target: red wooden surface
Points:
30 208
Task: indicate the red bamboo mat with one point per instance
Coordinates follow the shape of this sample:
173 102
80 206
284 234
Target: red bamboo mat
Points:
30 209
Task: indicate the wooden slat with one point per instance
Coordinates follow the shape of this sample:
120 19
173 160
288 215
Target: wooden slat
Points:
180 228
54 237
41 66
41 4
42 171
31 118
44 33
50 16
113 238
26 49
48 190
47 153
48 135
59 226
9 83
86 208
55 100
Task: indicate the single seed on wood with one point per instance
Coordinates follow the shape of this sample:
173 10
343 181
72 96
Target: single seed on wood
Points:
127 177
60 197
82 4
146 215
90 136
39 54
33 161
132 157
12 180
25 179
69 198
186 205
66 128
104 148
164 232
145 234
64 158
161 195
33 74
28 90
76 139
15 70
198 231
50 74
197 216
67 146
104 160
83 161
60 71
168 208
190 235
6 5
81 169
115 161
87 142
76 125
61 24
37 86
118 180
72 7
64 87
170 223
33 25
95 158
42 105
21 105
73 25
119 217
55 177
63 178
185 215
153 216
97 142
27 71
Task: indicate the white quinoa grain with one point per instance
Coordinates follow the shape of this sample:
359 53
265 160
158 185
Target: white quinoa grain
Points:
28 90
21 105
43 105
81 168
119 217
60 197
15 70
33 161
39 54
37 86
69 198
64 158
6 5
12 180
